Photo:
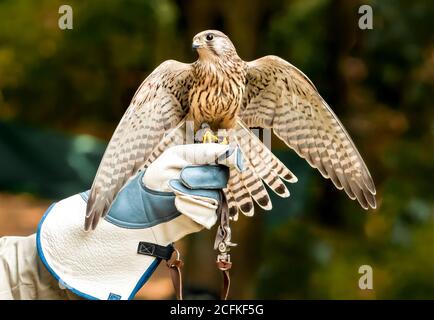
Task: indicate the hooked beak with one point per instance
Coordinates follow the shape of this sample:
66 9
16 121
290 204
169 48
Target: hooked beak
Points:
196 45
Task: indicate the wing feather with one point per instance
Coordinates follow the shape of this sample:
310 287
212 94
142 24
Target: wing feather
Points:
247 185
281 97
158 106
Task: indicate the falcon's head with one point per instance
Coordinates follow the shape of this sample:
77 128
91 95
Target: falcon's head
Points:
213 44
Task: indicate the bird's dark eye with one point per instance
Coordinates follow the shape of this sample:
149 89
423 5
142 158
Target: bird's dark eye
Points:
209 37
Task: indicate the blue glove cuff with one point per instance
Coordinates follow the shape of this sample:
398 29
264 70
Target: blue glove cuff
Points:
137 206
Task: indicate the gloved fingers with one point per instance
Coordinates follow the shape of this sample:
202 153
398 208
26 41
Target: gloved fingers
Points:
200 205
209 203
202 178
169 165
232 158
210 196
199 210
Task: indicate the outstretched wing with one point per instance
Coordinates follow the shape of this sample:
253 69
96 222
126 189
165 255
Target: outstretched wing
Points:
280 96
158 105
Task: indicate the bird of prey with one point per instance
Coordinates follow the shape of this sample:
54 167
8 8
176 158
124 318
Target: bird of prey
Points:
221 89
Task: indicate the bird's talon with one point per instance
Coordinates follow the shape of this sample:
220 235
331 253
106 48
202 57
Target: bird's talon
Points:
224 141
208 137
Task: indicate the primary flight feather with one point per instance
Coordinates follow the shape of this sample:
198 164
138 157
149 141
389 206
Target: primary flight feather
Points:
228 93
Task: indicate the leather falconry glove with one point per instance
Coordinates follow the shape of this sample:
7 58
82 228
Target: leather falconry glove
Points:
178 194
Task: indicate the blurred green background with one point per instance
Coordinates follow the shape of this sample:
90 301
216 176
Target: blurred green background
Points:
62 93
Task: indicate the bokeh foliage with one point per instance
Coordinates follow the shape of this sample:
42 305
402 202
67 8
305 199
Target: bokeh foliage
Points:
77 83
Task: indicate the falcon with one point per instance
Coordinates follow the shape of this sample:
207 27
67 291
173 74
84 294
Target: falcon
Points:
225 92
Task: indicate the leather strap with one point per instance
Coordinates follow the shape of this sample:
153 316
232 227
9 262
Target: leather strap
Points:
226 285
175 267
161 252
225 266
223 244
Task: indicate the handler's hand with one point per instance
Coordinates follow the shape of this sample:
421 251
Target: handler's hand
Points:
192 174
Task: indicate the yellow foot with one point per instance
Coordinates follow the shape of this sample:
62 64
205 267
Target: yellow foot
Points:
224 141
208 137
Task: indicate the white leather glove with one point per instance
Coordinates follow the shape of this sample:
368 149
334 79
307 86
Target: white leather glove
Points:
176 195
184 170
